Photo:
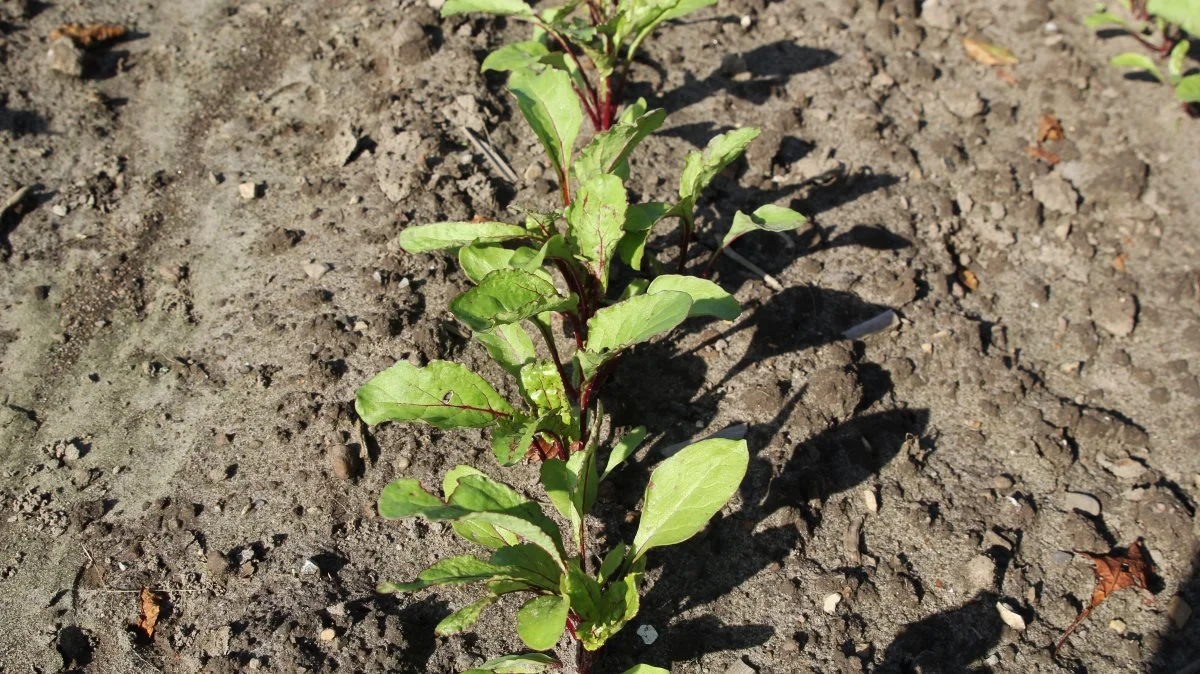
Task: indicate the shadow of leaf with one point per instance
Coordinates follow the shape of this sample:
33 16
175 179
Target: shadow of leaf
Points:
947 642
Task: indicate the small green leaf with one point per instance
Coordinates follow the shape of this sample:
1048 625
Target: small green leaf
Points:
1182 13
708 298
618 605
646 669
610 149
543 387
531 564
767 218
612 562
541 621
479 260
595 223
700 168
516 8
1100 19
406 497
1132 59
585 593
636 320
549 105
624 449
514 56
464 617
1188 89
541 532
442 235
509 345
1175 61
533 663
452 571
442 394
639 222
450 481
687 489
587 481
511 438
636 287
559 483
508 296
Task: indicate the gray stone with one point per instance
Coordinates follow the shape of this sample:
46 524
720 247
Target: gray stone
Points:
1087 503
65 57
1116 313
979 573
1056 194
963 102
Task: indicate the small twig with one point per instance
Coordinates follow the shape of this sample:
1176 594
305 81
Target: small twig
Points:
497 160
734 256
15 200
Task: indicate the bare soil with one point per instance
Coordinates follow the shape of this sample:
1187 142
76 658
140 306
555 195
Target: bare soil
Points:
177 362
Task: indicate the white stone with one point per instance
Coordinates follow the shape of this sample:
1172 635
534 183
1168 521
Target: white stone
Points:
647 633
1010 617
831 603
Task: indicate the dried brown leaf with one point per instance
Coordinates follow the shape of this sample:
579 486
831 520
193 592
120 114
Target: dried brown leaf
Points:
150 604
88 35
969 279
1115 571
987 53
1049 129
1039 152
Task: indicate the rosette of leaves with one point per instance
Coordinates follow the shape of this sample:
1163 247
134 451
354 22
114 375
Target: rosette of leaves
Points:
1160 26
529 554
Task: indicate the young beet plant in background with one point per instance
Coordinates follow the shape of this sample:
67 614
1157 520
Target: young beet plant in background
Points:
1159 25
604 33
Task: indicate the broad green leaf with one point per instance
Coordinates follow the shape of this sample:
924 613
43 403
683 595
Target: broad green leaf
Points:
508 296
464 617
479 260
442 235
636 320
687 489
639 222
1100 19
544 389
531 564
1131 59
511 438
636 287
541 621
450 481
532 663
514 56
767 218
406 497
516 8
700 168
559 483
596 222
612 562
587 481
624 449
1182 13
509 345
442 394
549 105
1188 89
541 533
1175 61
585 593
708 298
618 605
452 571
480 493
685 7
608 150
481 534
646 669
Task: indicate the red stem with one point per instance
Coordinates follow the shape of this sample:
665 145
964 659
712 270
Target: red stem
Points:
683 246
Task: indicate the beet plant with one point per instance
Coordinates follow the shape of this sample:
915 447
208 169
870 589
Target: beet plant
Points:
1160 26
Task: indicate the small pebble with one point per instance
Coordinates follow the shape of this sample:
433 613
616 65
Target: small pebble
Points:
328 634
65 57
248 191
59 210
1010 617
1082 502
739 667
1179 612
1002 482
870 501
831 603
316 270
1117 625
1061 557
309 568
647 633
342 462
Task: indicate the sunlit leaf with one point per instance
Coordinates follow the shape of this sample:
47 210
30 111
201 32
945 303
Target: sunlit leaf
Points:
443 394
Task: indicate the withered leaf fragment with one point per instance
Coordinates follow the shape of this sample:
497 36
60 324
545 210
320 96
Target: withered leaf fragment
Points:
1049 129
987 53
90 34
1114 571
148 614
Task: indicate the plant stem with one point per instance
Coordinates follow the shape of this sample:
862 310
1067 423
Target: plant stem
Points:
562 371
685 241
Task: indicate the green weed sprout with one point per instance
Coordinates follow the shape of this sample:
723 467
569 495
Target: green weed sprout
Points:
1159 25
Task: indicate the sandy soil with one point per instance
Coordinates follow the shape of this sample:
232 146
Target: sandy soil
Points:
177 362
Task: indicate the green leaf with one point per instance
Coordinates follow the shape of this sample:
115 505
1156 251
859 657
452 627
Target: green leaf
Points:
514 56
442 394
639 222
624 449
450 481
618 605
585 593
1131 59
510 345
1182 13
508 296
636 287
541 621
587 481
687 489
442 235
595 223
1100 19
541 531
479 260
646 669
511 437
406 497
559 483
531 564
452 571
464 617
517 664
700 168
767 218
1188 89
708 298
610 149
1175 61
685 7
516 8
612 562
544 389
636 320
549 105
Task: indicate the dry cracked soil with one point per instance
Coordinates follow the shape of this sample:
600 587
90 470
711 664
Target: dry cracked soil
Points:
198 269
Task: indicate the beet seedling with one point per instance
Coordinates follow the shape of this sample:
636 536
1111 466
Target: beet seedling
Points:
1159 25
606 35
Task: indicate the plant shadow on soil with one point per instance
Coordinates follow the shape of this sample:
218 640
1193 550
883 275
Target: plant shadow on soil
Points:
1180 651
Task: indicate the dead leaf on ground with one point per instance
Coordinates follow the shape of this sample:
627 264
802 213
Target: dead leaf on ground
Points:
1006 77
1119 263
1049 129
90 34
1115 571
1039 152
969 279
151 604
989 54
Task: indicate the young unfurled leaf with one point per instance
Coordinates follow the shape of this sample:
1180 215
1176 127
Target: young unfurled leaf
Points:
636 320
509 345
1175 63
987 53
618 604
550 107
646 669
609 149
585 593
514 56
687 489
1188 89
532 663
1100 19
624 449
443 394
700 168
639 222
612 562
463 618
511 437
541 532
708 298
559 484
516 8
508 296
544 389
479 260
1183 13
452 571
1131 59
768 218
596 219
530 564
541 621
442 235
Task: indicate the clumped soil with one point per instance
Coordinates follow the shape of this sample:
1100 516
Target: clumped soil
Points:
177 362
